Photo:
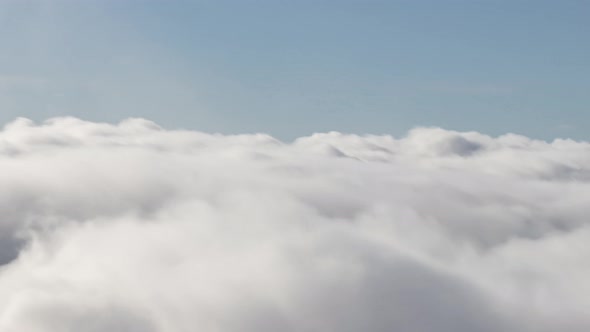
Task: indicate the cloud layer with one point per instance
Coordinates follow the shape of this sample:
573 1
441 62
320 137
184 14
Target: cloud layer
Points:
131 227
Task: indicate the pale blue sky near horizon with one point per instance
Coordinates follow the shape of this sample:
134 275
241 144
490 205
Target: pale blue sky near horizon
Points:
291 68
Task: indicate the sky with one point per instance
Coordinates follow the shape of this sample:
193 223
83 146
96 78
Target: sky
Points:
297 166
292 68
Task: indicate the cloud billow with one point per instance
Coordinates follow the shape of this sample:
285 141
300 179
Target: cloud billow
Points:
132 227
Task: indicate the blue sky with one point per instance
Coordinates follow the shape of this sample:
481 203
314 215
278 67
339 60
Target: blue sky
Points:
291 68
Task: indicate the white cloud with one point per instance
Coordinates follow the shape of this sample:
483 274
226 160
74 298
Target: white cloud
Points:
132 227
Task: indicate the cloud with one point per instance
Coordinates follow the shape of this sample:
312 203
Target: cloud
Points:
132 227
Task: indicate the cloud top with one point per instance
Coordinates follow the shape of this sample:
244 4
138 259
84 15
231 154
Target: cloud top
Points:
132 227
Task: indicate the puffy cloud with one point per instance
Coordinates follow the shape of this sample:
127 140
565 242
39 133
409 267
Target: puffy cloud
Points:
131 227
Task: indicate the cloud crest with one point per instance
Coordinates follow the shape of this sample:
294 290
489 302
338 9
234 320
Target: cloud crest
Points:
131 227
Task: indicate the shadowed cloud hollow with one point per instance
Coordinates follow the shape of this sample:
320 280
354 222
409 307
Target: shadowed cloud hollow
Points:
131 227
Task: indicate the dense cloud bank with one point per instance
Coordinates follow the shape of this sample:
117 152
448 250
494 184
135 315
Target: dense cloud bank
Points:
131 227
